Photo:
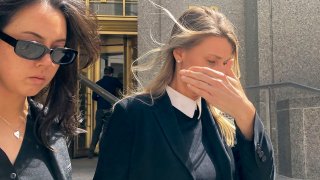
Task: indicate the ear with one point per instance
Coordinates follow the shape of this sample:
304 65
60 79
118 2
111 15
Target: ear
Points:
178 54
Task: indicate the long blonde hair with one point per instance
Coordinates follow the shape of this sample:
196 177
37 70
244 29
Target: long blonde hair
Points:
192 27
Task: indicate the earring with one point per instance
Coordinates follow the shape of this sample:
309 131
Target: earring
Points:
178 61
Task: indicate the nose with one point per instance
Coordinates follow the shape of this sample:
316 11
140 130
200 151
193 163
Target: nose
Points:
45 60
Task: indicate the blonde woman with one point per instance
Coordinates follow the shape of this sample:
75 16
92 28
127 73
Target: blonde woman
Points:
173 130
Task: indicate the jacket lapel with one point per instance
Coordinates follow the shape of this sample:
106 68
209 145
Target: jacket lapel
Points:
168 122
216 145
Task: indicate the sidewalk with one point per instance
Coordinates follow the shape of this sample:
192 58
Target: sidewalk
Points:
83 168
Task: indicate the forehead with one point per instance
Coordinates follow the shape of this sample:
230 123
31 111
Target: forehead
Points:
40 18
213 45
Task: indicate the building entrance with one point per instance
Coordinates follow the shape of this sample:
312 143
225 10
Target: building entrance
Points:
117 51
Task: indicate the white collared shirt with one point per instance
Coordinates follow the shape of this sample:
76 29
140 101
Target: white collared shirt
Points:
184 104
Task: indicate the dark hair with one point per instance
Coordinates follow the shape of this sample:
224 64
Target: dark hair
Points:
59 105
108 70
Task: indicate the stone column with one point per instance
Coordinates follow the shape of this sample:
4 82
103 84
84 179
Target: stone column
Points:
299 137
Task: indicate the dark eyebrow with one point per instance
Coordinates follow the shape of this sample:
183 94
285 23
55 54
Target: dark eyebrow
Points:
40 37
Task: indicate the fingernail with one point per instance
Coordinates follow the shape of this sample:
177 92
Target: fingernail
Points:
182 71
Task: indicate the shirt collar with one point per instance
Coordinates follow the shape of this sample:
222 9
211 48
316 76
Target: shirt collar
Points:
184 104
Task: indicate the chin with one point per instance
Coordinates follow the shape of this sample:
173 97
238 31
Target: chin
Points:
32 92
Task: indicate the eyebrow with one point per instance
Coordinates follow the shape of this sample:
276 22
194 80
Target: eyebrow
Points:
215 56
42 38
220 58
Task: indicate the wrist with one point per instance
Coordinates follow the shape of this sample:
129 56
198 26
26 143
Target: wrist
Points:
247 112
245 119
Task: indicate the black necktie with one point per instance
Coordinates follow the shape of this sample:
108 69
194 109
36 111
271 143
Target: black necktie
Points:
196 113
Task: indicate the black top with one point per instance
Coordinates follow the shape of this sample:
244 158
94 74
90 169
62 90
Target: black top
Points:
111 84
32 161
191 129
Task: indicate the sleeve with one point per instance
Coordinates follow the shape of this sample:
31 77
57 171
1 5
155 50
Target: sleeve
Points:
95 96
119 85
116 147
254 159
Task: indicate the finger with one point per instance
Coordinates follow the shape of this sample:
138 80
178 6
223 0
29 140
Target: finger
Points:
199 79
198 76
202 93
218 84
208 71
197 83
194 74
216 79
232 78
229 72
212 99
229 66
220 90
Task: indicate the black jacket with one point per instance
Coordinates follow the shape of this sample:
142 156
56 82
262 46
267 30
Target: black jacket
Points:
143 143
112 85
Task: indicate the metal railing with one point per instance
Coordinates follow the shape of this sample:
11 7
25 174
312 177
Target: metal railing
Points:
270 87
284 84
112 99
97 89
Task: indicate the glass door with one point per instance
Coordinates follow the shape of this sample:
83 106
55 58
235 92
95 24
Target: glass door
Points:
117 51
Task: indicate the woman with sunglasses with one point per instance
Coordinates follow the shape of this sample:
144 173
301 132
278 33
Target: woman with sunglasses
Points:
39 40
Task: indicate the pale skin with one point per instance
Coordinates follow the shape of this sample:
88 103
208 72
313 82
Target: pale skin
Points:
20 78
205 70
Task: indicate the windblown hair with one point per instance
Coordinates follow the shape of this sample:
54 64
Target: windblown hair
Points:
192 27
59 106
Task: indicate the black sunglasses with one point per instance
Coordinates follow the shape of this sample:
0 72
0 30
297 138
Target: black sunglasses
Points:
34 51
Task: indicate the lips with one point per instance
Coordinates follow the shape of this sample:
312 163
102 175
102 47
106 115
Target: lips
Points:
37 79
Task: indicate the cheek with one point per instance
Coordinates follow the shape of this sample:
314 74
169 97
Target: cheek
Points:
11 75
52 72
193 61
55 70
9 66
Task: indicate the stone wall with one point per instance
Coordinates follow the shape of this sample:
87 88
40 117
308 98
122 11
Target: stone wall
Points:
299 137
288 32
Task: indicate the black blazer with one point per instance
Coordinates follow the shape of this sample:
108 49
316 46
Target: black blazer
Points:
143 142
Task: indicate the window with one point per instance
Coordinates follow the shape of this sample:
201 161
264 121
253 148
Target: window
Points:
114 7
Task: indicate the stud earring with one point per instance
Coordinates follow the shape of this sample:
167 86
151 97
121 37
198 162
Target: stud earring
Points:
178 61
